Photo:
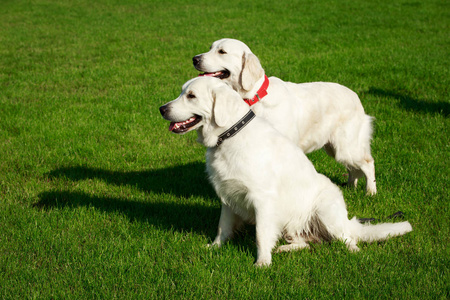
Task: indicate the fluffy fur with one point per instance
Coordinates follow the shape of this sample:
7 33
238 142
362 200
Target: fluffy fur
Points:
312 115
263 178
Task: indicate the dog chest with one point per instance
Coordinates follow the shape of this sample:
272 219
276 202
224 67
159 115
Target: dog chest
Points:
231 188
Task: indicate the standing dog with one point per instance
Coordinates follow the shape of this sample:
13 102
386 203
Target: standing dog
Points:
312 115
263 178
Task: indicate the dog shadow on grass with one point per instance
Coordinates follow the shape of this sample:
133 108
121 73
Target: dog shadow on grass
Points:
410 104
180 217
179 181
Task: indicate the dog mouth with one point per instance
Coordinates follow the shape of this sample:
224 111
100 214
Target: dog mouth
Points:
219 74
185 126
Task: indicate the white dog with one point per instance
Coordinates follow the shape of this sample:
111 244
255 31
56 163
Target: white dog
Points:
263 178
312 115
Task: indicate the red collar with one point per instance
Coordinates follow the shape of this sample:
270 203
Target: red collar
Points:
260 93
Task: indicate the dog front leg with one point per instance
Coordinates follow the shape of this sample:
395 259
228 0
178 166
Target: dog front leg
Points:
228 222
267 234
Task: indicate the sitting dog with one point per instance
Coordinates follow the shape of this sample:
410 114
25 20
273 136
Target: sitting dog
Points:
312 115
262 177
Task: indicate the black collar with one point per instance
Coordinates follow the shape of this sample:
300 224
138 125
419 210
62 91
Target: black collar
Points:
236 127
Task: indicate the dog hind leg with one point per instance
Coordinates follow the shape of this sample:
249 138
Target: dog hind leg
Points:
353 175
368 168
352 149
333 220
296 242
354 171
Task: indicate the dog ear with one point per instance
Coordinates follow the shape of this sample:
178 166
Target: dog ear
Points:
220 111
251 71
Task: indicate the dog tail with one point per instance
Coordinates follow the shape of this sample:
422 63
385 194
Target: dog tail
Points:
379 232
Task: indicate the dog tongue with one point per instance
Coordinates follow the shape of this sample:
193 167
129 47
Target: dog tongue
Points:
210 74
171 126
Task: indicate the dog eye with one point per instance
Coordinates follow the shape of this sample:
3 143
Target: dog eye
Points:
221 51
190 96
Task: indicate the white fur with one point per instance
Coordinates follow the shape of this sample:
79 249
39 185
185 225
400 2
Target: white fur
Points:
262 178
312 115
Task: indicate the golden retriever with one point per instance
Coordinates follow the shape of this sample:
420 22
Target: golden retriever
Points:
312 115
262 178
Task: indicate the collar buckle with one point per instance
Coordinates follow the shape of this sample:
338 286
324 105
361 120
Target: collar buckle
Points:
260 93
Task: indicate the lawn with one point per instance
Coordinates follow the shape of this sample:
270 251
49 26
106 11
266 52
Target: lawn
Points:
99 201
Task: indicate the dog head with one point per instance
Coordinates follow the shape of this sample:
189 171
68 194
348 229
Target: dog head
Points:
231 61
207 105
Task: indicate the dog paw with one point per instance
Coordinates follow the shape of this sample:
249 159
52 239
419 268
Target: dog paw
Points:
212 246
263 261
262 264
353 248
291 247
371 192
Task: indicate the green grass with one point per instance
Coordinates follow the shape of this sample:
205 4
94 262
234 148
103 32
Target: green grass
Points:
98 200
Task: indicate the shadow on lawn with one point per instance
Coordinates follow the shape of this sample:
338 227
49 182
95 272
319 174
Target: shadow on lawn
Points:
181 181
180 217
411 104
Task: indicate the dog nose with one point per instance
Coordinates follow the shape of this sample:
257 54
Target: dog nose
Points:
196 60
163 110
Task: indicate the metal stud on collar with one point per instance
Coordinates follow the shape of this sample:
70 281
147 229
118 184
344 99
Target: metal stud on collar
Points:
236 127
